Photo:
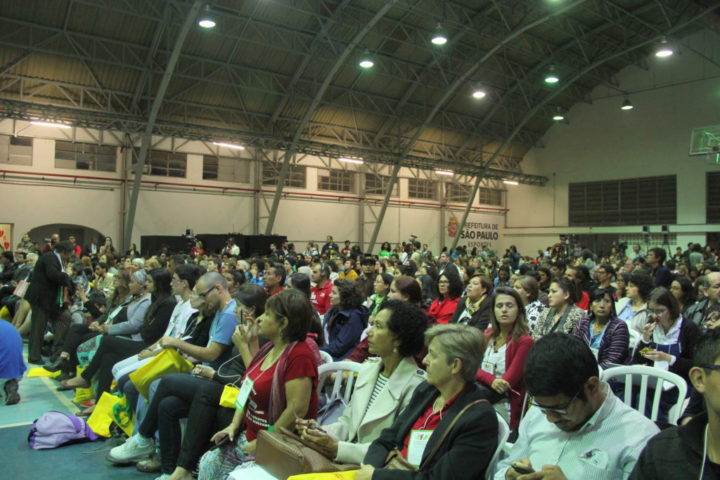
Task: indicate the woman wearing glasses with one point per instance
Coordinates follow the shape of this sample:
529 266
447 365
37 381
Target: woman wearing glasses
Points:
450 288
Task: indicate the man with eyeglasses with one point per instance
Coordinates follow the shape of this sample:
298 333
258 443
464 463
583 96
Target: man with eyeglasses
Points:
603 276
575 428
690 451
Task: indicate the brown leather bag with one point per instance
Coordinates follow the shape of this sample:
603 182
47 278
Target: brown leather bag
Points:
283 454
395 460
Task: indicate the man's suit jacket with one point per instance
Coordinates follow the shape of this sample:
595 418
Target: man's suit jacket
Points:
358 426
464 454
45 282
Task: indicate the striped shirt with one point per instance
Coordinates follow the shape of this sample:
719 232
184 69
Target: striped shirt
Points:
379 385
606 447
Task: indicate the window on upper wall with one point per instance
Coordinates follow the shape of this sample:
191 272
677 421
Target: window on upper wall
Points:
631 201
491 196
296 178
422 188
226 169
85 156
16 150
712 195
376 184
164 164
456 192
336 180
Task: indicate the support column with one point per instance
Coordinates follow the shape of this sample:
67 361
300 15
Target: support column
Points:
383 208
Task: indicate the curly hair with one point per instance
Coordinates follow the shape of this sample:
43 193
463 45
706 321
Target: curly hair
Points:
351 295
407 324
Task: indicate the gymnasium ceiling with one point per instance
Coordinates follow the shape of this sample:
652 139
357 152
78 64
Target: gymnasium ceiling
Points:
284 73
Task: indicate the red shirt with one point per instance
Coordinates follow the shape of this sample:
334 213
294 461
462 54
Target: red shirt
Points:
584 302
443 309
300 364
277 290
427 421
320 297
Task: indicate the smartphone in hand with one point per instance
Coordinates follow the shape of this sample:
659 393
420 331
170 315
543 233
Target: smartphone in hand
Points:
521 468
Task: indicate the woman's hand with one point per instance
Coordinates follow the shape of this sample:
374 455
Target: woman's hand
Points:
146 353
249 447
203 371
365 473
168 342
647 331
657 356
500 386
327 444
94 327
230 431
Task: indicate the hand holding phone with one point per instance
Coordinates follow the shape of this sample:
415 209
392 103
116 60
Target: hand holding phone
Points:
522 468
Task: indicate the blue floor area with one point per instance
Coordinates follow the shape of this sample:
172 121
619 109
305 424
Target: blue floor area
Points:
81 461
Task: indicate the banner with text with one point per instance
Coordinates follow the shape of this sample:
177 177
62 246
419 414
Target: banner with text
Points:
480 230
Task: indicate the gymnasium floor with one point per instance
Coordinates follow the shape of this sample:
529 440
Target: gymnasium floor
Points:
80 461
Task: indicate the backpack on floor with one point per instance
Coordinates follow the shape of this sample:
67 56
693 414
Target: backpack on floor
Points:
54 429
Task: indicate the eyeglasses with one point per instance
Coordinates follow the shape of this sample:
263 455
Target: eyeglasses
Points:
560 411
206 293
710 366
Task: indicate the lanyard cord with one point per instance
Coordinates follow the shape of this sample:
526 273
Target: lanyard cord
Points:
705 452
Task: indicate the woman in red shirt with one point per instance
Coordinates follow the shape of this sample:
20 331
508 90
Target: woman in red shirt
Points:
281 379
450 288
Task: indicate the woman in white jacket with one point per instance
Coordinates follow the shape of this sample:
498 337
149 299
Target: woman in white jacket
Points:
383 388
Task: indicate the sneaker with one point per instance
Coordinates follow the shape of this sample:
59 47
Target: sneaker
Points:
131 451
11 392
150 465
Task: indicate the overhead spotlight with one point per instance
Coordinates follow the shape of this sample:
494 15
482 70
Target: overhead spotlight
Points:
479 93
206 20
664 49
444 172
357 161
439 37
627 104
511 182
366 60
229 145
552 76
50 124
559 116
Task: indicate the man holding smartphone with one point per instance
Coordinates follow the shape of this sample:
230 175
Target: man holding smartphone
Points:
576 427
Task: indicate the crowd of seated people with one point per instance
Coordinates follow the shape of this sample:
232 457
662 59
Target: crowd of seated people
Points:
458 343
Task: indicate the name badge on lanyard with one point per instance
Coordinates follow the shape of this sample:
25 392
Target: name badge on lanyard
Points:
488 367
416 447
245 389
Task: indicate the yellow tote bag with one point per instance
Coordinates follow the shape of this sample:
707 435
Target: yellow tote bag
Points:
166 362
82 394
346 475
229 395
102 416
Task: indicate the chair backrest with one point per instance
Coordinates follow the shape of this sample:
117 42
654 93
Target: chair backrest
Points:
344 374
326 357
503 434
645 377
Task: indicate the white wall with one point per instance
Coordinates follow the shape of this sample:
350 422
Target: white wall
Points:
602 142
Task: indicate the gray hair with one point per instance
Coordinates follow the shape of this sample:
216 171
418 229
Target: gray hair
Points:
214 278
140 276
459 341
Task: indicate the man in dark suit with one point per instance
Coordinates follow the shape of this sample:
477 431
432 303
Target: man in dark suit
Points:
92 248
45 295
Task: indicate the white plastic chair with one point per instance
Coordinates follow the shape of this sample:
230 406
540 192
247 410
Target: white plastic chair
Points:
648 377
503 434
340 369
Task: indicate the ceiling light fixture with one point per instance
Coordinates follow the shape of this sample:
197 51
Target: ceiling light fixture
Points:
366 60
552 76
206 20
559 116
439 38
479 93
229 145
627 104
357 161
50 124
511 182
444 172
664 49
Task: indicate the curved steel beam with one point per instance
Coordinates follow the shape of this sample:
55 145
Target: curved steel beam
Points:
169 69
313 106
559 90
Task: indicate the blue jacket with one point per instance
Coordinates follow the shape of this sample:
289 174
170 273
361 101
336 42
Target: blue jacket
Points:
343 329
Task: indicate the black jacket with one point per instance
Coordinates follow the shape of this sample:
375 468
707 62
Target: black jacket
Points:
45 282
157 319
464 454
676 453
480 319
